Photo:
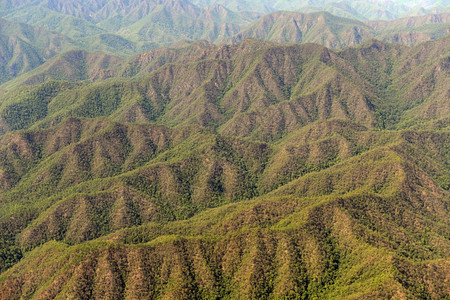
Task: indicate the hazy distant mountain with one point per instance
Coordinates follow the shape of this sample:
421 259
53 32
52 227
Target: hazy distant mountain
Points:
147 24
423 11
412 30
339 9
336 32
344 9
125 30
321 28
363 10
136 26
24 47
109 26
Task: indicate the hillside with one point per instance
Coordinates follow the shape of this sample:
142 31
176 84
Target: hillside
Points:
354 9
252 171
136 26
74 65
336 32
256 89
412 30
23 48
323 234
142 25
108 26
35 31
321 28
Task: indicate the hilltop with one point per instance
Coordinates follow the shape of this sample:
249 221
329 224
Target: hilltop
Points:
35 31
253 170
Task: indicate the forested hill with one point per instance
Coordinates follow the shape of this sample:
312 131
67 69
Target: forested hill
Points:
33 31
252 89
248 171
337 32
354 9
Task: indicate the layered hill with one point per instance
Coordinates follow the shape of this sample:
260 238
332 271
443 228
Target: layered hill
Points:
337 32
370 223
24 47
256 170
114 27
136 26
321 28
361 10
141 25
73 65
126 28
412 30
254 88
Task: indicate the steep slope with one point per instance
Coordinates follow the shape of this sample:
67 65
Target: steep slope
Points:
52 20
253 89
340 9
164 25
132 26
85 34
415 82
263 7
232 93
23 48
348 10
125 28
355 9
424 11
338 32
75 65
143 25
356 229
321 28
412 30
248 171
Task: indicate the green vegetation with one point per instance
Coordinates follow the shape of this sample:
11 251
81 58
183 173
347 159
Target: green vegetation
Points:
354 9
338 32
254 89
248 171
32 32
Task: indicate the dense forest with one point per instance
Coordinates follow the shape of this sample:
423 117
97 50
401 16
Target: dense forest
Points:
248 171
209 149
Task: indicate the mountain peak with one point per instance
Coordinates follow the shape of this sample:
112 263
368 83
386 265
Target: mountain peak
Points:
188 167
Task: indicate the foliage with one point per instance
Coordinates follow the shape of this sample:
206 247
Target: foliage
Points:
250 171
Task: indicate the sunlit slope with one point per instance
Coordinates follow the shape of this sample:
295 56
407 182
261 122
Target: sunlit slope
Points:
255 170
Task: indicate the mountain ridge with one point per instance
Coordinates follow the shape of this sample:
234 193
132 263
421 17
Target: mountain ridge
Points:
336 32
253 170
126 30
233 73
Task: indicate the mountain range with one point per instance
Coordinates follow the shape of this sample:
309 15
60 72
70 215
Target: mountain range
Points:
209 149
362 10
35 31
335 32
241 73
255 170
24 47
